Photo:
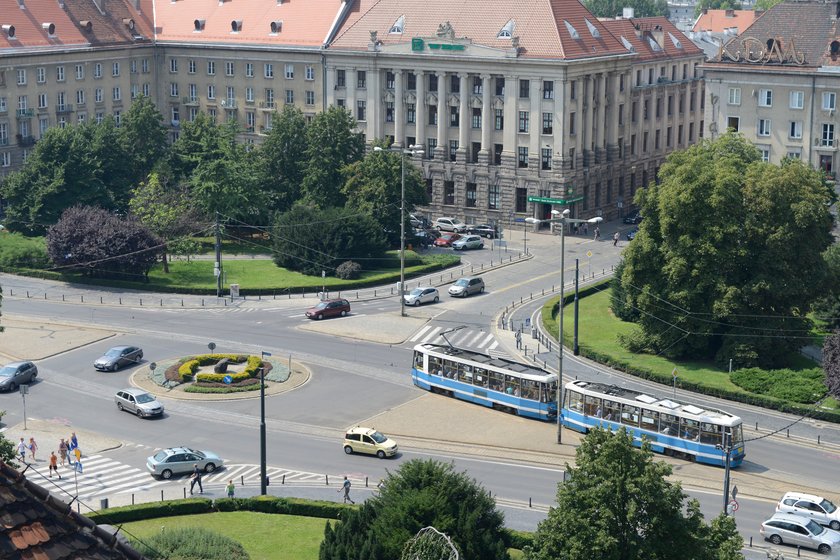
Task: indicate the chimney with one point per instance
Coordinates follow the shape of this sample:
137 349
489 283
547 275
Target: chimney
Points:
49 28
659 35
628 13
86 25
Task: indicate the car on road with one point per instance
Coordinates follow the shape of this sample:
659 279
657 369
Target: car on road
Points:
810 506
467 286
329 308
450 224
139 402
634 218
484 230
117 357
447 239
15 374
180 460
786 528
369 442
631 235
468 242
419 296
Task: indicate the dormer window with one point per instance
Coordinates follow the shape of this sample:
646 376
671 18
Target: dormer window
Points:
10 31
674 40
654 46
236 26
627 44
507 31
834 49
592 29
571 29
199 24
276 27
49 28
398 26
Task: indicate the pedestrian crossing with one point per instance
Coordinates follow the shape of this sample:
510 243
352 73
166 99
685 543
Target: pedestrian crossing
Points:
250 473
470 339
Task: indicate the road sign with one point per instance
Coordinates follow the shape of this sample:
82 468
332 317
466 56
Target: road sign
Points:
734 492
734 505
589 254
227 379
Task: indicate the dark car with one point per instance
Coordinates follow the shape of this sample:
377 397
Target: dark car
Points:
117 357
447 239
422 238
15 374
484 230
631 235
634 218
329 308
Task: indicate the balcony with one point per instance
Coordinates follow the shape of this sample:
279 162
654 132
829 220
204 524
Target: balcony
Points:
191 101
265 129
826 142
249 129
25 113
249 102
228 103
66 108
25 141
267 105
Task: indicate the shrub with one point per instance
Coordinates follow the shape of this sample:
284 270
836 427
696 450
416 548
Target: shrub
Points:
25 252
289 506
151 510
807 386
186 543
348 270
220 377
222 388
188 369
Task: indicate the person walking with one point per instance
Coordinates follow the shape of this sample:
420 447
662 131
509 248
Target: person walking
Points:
54 465
62 451
597 233
21 449
196 478
346 487
74 441
231 488
33 447
615 239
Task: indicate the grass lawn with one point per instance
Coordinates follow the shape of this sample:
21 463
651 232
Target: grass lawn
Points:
265 536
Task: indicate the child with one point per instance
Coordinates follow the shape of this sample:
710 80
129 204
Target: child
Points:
54 465
230 489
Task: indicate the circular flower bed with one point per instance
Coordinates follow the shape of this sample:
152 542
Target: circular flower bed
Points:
245 378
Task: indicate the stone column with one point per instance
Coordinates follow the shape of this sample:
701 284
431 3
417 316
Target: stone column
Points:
350 77
442 150
511 124
420 110
560 127
598 116
486 121
375 114
586 121
464 118
534 148
399 110
330 87
686 116
612 119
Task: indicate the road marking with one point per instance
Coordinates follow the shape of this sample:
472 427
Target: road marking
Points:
486 340
493 346
420 333
476 338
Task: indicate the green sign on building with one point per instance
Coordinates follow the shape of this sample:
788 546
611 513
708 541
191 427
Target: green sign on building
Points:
416 44
547 200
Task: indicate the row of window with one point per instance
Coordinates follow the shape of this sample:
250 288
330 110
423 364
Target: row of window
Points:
764 129
653 78
230 69
79 71
796 99
494 381
230 91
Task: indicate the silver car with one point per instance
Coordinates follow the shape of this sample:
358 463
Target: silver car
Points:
785 528
181 460
15 374
138 402
467 286
468 242
809 506
117 357
422 295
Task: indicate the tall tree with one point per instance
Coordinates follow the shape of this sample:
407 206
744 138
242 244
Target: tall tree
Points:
617 504
641 8
114 161
332 143
715 5
143 136
728 258
374 184
281 159
831 363
765 4
827 307
199 141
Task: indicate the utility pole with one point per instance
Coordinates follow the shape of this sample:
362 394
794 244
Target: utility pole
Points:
727 449
263 475
576 349
402 233
217 268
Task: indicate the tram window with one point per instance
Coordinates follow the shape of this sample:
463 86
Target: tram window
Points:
592 406
497 380
480 378
669 425
630 415
575 401
737 435
548 392
689 429
435 366
650 420
450 368
530 389
711 434
612 410
466 373
512 385
457 371
418 360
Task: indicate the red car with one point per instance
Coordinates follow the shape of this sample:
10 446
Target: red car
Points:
446 239
329 308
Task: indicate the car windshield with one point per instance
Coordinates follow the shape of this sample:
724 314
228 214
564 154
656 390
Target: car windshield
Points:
416 291
814 527
160 456
322 305
144 398
828 506
7 371
461 282
378 438
113 353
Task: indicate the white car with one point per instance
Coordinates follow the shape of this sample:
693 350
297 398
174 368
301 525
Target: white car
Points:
422 295
809 506
468 242
784 528
450 224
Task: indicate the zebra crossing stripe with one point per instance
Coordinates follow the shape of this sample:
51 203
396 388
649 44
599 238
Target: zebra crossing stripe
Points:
432 334
486 340
420 333
493 346
475 339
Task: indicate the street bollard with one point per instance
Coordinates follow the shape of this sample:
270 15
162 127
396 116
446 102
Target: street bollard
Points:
62 299
788 432
100 298
132 499
756 426
818 439
141 302
283 480
161 302
242 480
27 294
182 303
327 477
185 492
750 542
529 501
83 298
161 494
202 302
366 482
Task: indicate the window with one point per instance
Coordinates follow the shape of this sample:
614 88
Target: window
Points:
670 105
269 97
115 69
59 73
829 101
493 194
249 94
497 154
118 118
500 86
472 194
795 130
229 68
340 78
231 95
61 101
410 114
764 127
361 79
478 86
547 123
290 97
432 144
40 75
795 154
621 81
176 115
546 158
548 90
310 97
80 97
250 120
211 91
524 89
80 72
268 70
97 71
116 93
454 116
573 89
249 70
827 134
191 66
522 159
21 77
455 83
433 82
7 159
797 99
361 110
572 121
476 147
634 109
42 100
132 67
476 117
734 96
499 119
765 98
211 67
411 81
433 114
646 109
135 91
523 121
97 95
173 89
453 149
3 106
521 200
289 71
449 193
308 73
389 111
173 65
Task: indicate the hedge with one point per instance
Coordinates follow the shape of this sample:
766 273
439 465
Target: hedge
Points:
518 539
219 389
151 510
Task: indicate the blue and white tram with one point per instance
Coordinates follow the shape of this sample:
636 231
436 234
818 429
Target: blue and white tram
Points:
671 427
485 380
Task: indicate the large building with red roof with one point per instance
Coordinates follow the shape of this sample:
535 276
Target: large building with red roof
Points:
520 107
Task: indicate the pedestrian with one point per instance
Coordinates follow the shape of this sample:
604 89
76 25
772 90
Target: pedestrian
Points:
597 233
54 465
231 487
196 478
585 228
33 447
615 239
21 448
74 441
346 488
62 451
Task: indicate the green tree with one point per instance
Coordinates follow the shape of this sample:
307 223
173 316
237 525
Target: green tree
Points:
332 144
143 136
374 186
765 4
728 259
281 159
114 161
831 363
420 494
641 8
715 5
617 504
199 141
827 307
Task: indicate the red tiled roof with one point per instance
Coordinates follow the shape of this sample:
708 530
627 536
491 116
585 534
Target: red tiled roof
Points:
28 25
718 20
112 26
539 25
635 31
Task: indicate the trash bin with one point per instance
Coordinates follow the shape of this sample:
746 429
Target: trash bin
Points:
103 503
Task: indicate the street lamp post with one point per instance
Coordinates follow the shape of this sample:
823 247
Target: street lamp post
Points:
563 219
263 469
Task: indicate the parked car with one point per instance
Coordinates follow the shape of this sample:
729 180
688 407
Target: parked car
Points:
418 296
467 286
786 528
447 239
370 442
809 506
419 221
329 308
139 402
484 230
180 460
468 242
450 224
422 238
631 235
15 374
117 357
634 218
